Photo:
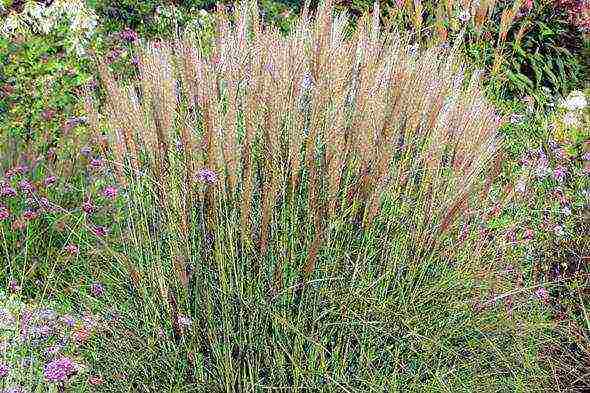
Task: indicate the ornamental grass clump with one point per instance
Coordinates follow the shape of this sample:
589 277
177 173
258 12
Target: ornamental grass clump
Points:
297 197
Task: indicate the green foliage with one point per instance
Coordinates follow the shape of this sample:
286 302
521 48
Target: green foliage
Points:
40 81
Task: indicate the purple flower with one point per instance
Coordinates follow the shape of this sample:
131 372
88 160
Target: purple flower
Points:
529 234
52 351
30 215
129 35
25 185
96 163
207 176
59 370
4 213
87 206
14 389
6 190
46 314
86 151
68 320
97 289
43 331
45 203
13 286
110 192
99 231
586 156
184 321
4 370
49 180
560 173
71 249
21 169
542 294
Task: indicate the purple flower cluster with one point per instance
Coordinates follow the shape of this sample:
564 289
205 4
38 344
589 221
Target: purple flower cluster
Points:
49 180
97 289
6 190
110 192
4 213
4 370
207 176
129 35
59 370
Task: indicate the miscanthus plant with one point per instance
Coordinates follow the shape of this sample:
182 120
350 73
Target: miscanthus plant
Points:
293 207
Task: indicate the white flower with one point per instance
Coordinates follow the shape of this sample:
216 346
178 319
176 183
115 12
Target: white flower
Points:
559 230
575 101
464 16
570 120
520 186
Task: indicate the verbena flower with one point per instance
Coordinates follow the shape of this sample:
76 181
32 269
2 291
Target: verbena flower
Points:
59 370
6 190
4 370
30 215
4 213
129 35
87 206
559 173
49 180
207 176
25 185
71 249
110 192
99 231
529 234
542 294
97 289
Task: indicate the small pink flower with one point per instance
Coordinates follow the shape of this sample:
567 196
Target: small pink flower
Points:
59 370
25 185
6 190
47 114
18 225
81 335
97 289
13 286
71 249
95 380
49 180
529 234
542 294
96 163
184 321
30 215
4 213
129 35
99 231
87 206
110 192
4 370
560 173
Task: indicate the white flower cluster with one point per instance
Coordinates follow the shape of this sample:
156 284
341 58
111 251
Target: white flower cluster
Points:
42 19
575 101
